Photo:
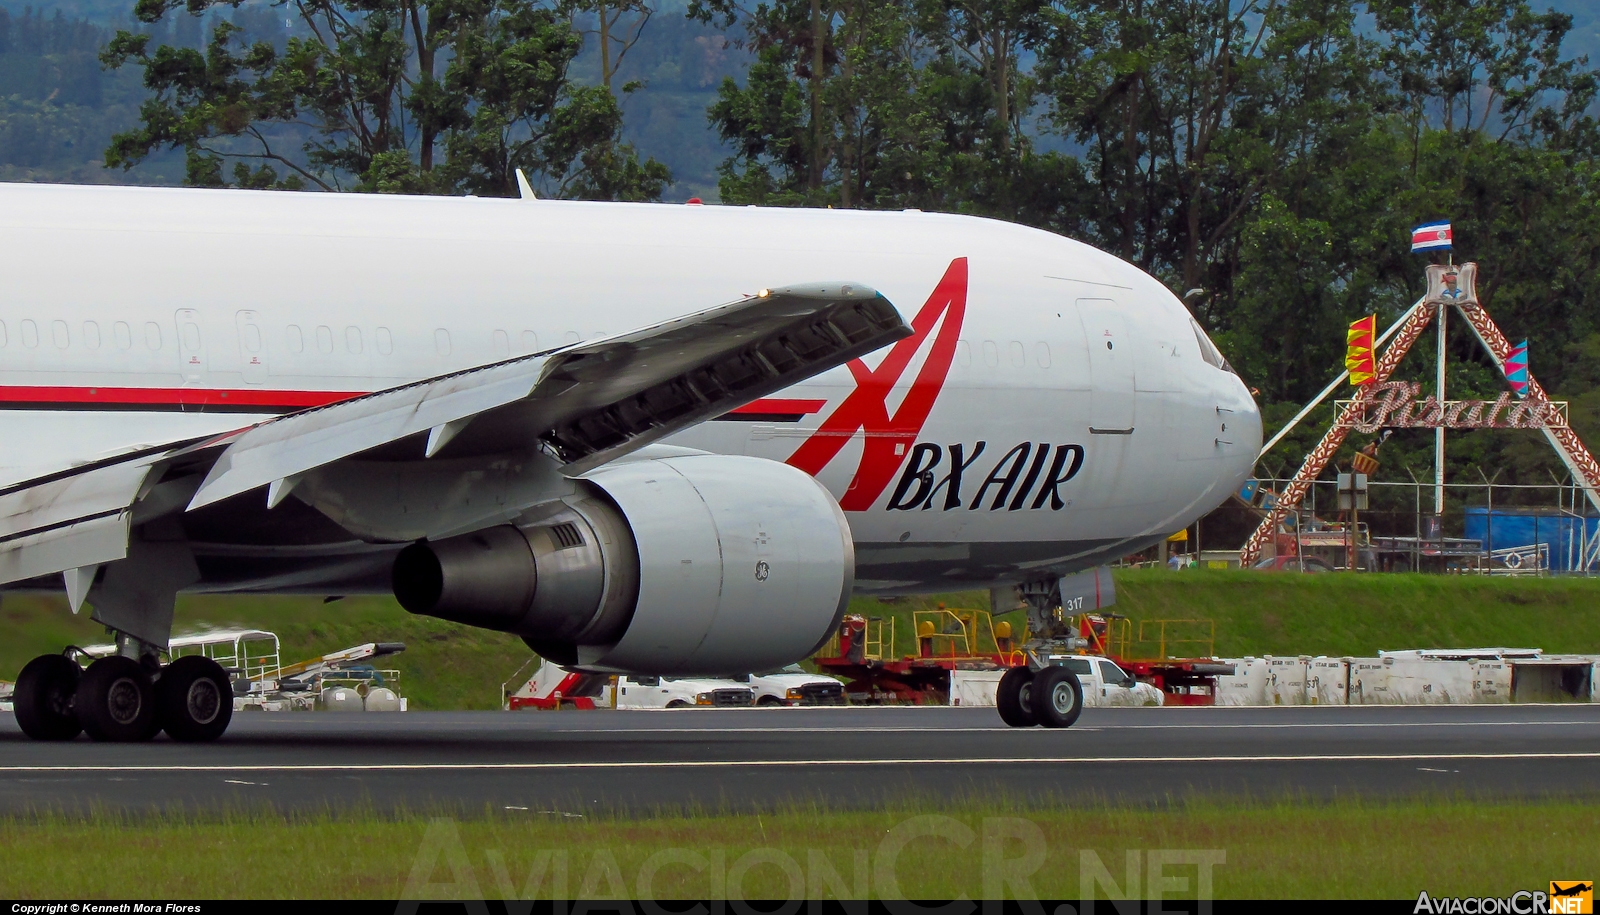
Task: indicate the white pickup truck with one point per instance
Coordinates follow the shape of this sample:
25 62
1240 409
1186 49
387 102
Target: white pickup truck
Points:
1105 684
681 692
793 686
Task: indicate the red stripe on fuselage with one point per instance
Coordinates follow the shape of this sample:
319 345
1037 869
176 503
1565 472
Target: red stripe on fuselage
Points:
780 405
47 396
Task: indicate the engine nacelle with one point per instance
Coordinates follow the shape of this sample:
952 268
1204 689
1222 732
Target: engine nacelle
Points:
699 564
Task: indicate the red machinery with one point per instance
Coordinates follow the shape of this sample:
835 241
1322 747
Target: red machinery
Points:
863 654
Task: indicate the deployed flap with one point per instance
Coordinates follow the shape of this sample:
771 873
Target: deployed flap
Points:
590 402
283 447
69 521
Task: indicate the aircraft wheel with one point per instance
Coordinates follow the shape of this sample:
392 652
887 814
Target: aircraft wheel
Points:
43 698
1057 697
116 701
194 699
1012 697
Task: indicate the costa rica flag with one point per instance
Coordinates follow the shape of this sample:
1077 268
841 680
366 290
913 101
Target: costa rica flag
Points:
1517 368
1358 350
1431 236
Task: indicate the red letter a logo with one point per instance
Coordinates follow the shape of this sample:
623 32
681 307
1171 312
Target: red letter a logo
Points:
866 409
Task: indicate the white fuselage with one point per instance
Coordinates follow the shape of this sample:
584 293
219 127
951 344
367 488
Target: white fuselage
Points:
140 316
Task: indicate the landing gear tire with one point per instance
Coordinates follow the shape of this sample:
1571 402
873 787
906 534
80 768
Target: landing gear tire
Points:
194 699
1013 695
1056 697
116 701
44 696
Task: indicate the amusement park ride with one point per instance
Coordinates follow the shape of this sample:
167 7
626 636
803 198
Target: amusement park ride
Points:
1382 404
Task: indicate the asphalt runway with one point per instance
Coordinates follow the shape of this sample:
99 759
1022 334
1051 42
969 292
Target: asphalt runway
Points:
571 763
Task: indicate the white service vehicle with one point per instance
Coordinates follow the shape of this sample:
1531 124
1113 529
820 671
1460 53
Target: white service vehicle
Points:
639 692
1105 684
641 437
792 685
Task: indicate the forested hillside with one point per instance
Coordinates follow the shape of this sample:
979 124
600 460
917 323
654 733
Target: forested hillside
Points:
1264 159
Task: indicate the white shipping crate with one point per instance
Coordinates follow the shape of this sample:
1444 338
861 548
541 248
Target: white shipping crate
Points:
1286 681
1435 682
1328 681
1491 681
974 687
1246 686
1411 681
1368 683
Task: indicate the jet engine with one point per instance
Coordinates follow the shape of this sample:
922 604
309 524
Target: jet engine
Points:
698 564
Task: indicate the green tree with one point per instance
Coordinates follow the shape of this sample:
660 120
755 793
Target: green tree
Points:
912 103
390 96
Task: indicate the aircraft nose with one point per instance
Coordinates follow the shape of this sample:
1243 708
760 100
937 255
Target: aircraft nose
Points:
1243 421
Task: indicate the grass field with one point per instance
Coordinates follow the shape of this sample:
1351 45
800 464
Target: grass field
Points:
1345 849
447 666
1256 613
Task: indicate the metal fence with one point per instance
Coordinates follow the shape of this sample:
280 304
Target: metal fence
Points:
1486 527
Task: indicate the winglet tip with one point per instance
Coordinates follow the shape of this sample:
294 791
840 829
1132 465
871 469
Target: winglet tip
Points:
524 189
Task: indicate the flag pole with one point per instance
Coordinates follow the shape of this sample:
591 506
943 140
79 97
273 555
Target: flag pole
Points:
1438 434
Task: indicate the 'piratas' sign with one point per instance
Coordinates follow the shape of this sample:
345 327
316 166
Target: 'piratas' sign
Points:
1398 405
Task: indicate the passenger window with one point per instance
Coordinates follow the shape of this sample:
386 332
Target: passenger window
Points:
252 338
1019 356
2 333
384 340
352 340
324 339
1079 666
191 335
152 335
91 335
1111 673
30 334
58 330
572 337
530 341
501 342
991 354
441 342
123 334
1041 352
963 353
297 339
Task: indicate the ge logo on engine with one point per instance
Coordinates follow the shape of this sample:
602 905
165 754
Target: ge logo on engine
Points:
762 570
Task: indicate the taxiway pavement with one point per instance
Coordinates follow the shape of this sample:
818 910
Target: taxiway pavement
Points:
574 762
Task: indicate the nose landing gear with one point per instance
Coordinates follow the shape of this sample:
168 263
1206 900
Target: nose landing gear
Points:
1049 696
120 699
1042 692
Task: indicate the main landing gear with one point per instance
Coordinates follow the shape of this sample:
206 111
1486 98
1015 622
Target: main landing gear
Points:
119 698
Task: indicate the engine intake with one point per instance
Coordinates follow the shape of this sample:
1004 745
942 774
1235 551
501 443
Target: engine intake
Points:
700 564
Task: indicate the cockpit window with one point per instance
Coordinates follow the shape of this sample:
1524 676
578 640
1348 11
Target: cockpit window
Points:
1208 350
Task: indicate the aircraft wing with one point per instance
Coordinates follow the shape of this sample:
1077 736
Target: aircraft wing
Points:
585 405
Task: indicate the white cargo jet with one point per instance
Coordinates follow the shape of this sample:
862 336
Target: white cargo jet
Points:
658 439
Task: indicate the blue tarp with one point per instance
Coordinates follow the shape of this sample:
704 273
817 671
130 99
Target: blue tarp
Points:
1562 534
